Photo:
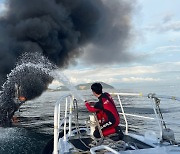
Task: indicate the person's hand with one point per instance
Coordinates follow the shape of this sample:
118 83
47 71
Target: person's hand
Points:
15 119
91 103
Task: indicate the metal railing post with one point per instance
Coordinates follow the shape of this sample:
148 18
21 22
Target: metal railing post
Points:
56 130
57 123
126 131
157 119
70 115
59 114
65 122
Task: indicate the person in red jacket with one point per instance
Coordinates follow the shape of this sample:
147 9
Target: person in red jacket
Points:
105 110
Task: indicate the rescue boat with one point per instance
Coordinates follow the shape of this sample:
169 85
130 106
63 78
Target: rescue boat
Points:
74 135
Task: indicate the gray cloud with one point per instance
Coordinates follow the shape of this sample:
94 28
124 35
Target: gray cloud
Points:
168 17
164 27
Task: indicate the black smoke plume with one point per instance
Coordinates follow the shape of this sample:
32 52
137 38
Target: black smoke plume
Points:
58 30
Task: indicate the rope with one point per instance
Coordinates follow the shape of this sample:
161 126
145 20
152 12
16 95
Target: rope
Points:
99 129
77 124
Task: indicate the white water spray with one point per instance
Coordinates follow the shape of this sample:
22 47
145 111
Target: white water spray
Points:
59 76
32 74
56 74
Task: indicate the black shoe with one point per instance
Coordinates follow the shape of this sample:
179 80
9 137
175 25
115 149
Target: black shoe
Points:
119 132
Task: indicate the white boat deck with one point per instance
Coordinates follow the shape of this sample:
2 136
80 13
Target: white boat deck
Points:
150 143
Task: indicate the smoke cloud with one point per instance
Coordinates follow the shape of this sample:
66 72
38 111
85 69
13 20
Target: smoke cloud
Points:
59 29
111 42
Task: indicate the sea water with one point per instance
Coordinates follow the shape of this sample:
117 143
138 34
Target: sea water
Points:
34 126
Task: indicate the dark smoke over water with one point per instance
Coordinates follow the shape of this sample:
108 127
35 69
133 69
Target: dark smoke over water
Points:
58 30
31 76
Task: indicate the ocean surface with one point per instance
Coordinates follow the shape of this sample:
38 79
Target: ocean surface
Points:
33 127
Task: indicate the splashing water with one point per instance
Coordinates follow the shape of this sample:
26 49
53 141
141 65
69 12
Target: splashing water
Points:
33 73
62 78
50 69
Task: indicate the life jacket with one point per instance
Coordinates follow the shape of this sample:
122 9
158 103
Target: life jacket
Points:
108 111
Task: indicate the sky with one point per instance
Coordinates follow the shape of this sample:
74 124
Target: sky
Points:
156 26
2 7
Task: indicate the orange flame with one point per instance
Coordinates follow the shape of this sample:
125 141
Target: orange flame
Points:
22 98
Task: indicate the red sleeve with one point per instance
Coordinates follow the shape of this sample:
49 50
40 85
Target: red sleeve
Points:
90 108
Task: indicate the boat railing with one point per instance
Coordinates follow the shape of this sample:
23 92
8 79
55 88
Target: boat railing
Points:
103 147
122 109
154 99
67 117
59 122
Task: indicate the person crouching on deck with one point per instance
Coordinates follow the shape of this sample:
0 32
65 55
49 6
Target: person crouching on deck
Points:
106 112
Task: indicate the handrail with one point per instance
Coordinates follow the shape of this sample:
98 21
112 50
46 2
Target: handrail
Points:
127 94
101 147
149 95
126 131
139 116
68 114
150 118
153 96
122 109
57 119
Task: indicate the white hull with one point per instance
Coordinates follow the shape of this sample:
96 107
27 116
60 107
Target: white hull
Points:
75 139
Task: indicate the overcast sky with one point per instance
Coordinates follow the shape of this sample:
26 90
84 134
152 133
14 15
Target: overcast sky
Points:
157 29
156 25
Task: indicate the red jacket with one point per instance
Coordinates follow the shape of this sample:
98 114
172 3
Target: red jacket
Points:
105 109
